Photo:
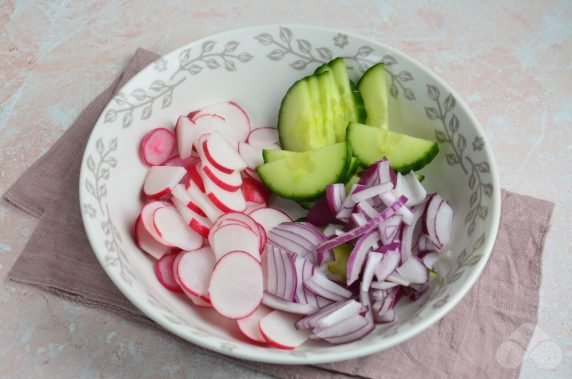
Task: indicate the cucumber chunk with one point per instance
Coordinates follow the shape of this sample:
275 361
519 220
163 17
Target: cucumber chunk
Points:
374 90
304 176
405 153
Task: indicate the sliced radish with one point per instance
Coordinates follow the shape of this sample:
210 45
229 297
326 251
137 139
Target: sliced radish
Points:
228 182
164 272
238 124
174 230
232 237
181 194
194 271
195 176
252 156
147 214
203 303
264 138
252 206
255 191
236 285
252 174
207 124
200 199
198 223
186 131
147 243
160 180
269 217
221 154
224 200
279 330
177 161
157 146
249 325
246 220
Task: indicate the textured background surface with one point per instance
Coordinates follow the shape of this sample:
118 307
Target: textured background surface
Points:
510 60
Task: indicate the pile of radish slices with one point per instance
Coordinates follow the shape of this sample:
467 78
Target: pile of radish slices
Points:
207 223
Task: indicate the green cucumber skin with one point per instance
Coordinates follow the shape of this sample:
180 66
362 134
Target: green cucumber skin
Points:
359 103
418 165
374 90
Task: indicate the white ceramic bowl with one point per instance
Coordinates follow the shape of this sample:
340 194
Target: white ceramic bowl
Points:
254 67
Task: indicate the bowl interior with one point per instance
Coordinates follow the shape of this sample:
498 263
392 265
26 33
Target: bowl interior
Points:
254 67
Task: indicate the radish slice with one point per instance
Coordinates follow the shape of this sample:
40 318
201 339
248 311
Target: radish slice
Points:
252 156
147 215
255 191
183 196
173 229
229 238
224 200
200 302
194 271
157 146
228 182
200 199
252 174
177 161
195 177
236 296
269 217
249 325
221 154
198 223
164 272
186 131
160 180
278 329
264 138
252 206
207 124
238 124
147 243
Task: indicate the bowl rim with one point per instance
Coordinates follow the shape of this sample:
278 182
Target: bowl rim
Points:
283 357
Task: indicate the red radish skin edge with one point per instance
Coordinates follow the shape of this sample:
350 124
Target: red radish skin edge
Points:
222 184
161 157
168 282
274 343
213 161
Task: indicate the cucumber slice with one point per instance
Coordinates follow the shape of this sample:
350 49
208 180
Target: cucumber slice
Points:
274 155
340 263
405 153
359 103
304 176
374 90
349 184
306 204
352 169
300 122
334 110
352 101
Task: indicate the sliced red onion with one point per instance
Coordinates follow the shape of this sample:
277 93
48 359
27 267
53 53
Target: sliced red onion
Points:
299 294
309 321
414 271
367 210
394 246
373 260
437 220
396 278
378 173
348 204
275 302
387 265
380 308
271 270
353 336
289 241
430 259
409 233
331 230
320 214
365 301
335 194
424 244
418 290
396 294
284 269
320 285
344 327
410 186
383 285
356 232
350 308
389 198
322 301
357 219
358 255
387 317
377 294
370 192
389 228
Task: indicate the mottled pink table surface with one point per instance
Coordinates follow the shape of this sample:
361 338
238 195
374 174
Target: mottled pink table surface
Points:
510 60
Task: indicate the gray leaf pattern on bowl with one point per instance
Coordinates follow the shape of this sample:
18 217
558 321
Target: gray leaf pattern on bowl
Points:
305 54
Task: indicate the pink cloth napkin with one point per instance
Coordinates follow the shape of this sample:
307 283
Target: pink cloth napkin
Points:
465 344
